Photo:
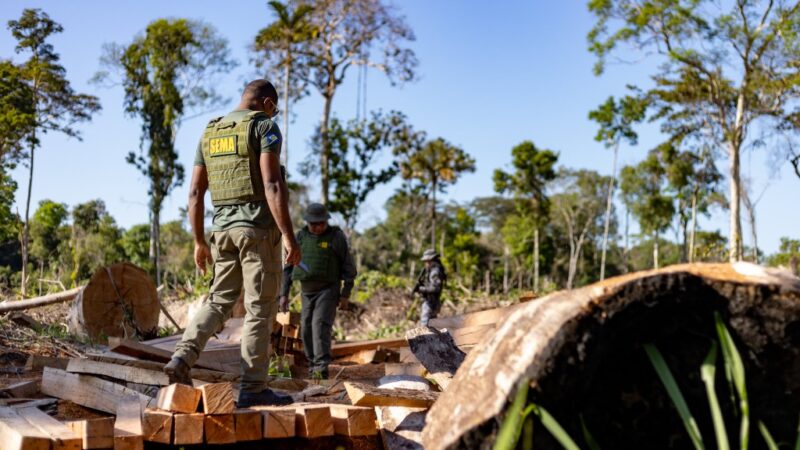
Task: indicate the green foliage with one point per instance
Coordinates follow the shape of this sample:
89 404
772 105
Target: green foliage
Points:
168 70
371 281
355 150
48 231
94 239
135 243
279 366
17 118
616 119
9 221
788 253
675 394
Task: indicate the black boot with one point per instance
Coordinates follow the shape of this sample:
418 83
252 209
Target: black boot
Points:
267 397
178 372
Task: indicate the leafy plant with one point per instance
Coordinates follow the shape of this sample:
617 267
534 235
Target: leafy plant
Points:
279 366
516 414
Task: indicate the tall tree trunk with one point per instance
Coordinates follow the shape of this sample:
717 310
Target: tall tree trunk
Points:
505 270
433 213
734 147
627 237
286 77
325 150
608 212
693 231
655 250
487 282
26 225
155 248
536 260
750 207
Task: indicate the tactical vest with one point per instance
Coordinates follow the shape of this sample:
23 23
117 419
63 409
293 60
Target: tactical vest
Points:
322 262
234 176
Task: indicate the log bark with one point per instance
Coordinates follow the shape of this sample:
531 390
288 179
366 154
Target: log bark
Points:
437 351
581 352
21 305
120 301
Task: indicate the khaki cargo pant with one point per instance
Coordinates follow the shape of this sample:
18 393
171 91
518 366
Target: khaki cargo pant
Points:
248 258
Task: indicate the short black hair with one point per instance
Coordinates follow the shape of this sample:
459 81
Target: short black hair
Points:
259 89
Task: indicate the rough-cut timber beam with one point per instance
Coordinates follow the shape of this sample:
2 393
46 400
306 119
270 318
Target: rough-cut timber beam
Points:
581 352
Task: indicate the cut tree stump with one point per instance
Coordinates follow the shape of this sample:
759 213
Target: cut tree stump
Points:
581 353
119 300
437 352
364 395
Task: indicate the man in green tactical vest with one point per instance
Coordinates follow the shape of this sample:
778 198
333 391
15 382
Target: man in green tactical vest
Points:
326 276
238 160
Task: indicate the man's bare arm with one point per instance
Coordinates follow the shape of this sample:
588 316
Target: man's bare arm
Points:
278 200
197 210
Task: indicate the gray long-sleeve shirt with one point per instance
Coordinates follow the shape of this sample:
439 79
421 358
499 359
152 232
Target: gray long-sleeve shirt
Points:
348 269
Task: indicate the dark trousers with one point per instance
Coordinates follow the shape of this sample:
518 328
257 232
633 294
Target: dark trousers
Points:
431 304
317 316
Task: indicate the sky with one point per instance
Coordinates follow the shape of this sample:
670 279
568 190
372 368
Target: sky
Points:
490 77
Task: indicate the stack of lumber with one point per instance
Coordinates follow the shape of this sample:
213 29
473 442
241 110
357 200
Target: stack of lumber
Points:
127 384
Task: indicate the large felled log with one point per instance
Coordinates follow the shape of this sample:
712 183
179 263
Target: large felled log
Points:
119 300
581 352
20 305
437 352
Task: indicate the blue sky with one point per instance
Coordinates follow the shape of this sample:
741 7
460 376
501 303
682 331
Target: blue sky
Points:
490 77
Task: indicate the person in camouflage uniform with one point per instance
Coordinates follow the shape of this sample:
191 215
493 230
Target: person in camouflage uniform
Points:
238 162
326 277
430 284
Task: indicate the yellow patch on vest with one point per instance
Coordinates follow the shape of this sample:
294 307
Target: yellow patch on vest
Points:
323 244
219 146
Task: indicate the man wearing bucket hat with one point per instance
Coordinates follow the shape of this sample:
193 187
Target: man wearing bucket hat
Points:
326 276
430 284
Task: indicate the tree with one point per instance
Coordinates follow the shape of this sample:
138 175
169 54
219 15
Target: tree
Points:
56 107
167 71
578 205
729 66
788 255
615 120
345 33
435 166
643 188
135 243
94 239
533 169
275 47
9 221
17 118
46 230
354 153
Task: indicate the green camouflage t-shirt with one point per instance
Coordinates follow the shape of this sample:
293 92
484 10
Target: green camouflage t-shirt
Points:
265 135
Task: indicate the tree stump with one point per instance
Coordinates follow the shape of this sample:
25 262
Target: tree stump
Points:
581 352
120 301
